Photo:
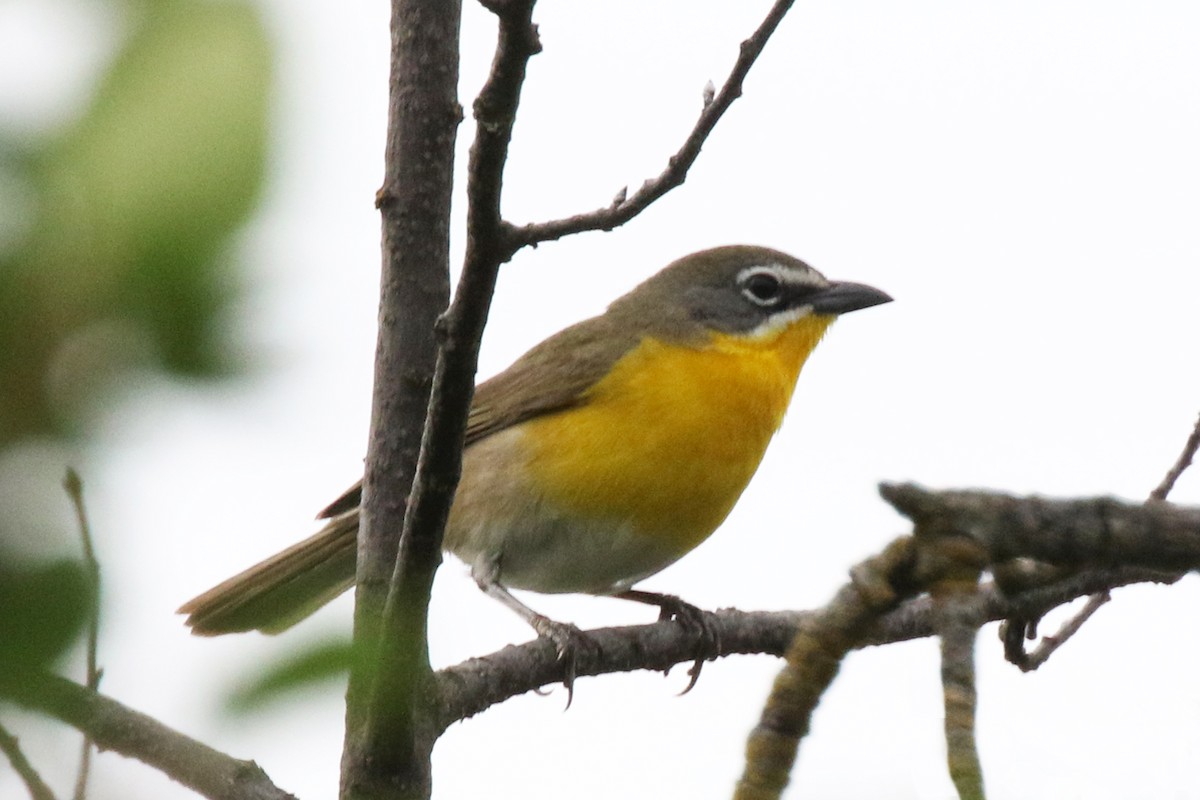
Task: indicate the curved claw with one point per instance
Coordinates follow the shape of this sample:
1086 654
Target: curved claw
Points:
693 675
568 642
694 619
708 638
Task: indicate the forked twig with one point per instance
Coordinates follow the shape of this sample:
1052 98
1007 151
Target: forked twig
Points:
1015 632
624 206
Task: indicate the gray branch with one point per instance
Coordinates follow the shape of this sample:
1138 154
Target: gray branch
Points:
1087 532
113 726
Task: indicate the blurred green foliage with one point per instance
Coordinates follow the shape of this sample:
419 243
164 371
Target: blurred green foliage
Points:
115 255
45 609
316 664
124 262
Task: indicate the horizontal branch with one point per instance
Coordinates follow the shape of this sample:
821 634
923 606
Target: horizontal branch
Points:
113 726
626 207
915 618
473 686
1100 531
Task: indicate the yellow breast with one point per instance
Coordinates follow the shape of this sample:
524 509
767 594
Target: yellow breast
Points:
667 441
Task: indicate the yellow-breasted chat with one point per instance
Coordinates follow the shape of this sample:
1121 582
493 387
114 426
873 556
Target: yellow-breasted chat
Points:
602 455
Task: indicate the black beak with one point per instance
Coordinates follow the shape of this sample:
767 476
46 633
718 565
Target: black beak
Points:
840 297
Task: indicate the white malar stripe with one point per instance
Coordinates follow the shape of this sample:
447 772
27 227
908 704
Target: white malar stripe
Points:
776 323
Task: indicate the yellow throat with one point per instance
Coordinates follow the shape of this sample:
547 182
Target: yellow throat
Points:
667 441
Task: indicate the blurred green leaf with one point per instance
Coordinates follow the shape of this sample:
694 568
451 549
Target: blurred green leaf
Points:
320 663
125 264
42 612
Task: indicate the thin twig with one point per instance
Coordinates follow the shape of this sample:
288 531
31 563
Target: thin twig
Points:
1014 636
38 790
1014 632
914 619
495 112
1182 463
625 207
74 486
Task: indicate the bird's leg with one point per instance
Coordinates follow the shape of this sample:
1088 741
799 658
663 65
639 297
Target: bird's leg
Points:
692 618
568 639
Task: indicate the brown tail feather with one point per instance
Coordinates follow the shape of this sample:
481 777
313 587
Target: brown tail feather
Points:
275 594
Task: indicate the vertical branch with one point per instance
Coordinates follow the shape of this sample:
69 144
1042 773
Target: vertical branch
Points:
952 565
625 206
423 116
400 730
813 660
957 626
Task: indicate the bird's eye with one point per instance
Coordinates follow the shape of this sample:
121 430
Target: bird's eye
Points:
764 288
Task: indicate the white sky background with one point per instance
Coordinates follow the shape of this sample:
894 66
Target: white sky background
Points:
1023 177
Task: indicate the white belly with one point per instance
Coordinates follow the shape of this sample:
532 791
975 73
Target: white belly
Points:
533 545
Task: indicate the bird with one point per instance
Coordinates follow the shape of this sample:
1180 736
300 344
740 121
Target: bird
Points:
602 455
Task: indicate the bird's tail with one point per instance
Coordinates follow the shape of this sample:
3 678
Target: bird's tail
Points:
275 594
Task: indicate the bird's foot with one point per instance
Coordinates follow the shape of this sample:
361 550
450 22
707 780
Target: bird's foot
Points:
693 619
570 643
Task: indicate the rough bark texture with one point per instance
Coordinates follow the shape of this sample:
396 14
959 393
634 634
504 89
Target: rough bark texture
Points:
386 752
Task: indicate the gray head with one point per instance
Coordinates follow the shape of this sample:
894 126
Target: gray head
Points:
736 289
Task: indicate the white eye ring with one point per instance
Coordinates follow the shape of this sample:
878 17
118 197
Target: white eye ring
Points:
762 286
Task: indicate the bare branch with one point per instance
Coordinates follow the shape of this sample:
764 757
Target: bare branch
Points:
495 114
958 622
471 687
1182 463
113 726
1089 532
625 208
475 685
949 568
38 789
974 532
1014 633
1096 532
915 618
382 756
813 659
397 740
